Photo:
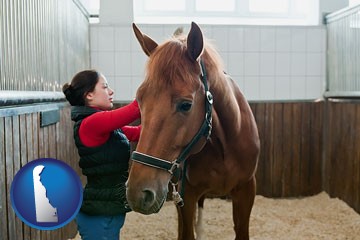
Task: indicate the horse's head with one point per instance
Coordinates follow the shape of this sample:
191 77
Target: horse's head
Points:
171 100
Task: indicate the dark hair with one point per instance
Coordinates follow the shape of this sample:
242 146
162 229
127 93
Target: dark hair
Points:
81 84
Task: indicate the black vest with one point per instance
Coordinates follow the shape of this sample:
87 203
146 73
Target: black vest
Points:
106 168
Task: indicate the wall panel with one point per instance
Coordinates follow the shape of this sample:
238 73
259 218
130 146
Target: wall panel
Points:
23 140
342 155
291 148
306 148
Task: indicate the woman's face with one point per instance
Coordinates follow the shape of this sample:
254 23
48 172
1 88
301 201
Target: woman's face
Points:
102 96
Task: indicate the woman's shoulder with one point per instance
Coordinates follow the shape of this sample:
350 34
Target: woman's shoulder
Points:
81 112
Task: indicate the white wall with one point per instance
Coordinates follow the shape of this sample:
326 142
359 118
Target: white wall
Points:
354 2
116 11
268 63
329 6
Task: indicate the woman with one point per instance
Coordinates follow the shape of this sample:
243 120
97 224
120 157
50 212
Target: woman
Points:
102 139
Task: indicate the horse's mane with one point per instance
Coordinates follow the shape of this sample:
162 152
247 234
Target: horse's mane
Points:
170 62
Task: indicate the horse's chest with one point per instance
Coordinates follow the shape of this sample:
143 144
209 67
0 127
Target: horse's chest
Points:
207 170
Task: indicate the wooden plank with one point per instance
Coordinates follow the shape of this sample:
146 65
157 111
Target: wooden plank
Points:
341 156
268 152
36 133
60 136
29 138
356 183
305 148
316 147
41 140
349 148
51 131
24 159
3 185
287 141
332 138
52 141
34 152
296 149
16 167
9 176
30 152
336 144
326 165
339 161
277 161
42 146
259 117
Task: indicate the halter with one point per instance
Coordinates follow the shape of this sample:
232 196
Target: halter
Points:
204 131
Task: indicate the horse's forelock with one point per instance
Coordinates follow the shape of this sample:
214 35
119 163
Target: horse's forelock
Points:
170 63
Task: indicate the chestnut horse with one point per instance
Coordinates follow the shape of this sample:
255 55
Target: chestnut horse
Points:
185 89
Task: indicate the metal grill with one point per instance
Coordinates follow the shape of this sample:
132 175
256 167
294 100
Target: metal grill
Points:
343 59
43 43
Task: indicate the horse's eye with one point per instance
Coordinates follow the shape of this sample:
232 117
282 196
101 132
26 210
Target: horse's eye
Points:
184 106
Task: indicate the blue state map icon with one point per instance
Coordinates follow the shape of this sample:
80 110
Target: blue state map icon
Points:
46 194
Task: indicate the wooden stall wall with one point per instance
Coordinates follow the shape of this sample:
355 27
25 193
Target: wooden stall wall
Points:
306 148
291 135
342 155
23 140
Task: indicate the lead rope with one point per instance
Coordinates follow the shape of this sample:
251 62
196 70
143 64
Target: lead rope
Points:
176 196
183 179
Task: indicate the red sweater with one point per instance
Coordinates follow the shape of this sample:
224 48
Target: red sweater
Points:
95 129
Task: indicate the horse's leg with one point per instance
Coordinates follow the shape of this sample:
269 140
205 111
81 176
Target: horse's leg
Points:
199 228
186 216
243 199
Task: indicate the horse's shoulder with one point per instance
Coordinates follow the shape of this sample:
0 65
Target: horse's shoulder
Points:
236 91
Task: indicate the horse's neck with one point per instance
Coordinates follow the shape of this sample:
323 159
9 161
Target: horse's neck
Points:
228 101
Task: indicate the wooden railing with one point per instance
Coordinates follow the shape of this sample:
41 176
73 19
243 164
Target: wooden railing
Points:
291 135
341 159
306 148
23 140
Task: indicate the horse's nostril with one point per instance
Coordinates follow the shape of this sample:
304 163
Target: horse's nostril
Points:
149 198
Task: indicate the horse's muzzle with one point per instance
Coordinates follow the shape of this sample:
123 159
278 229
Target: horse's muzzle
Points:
145 201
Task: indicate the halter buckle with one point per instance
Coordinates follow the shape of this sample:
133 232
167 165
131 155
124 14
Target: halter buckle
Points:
174 166
209 97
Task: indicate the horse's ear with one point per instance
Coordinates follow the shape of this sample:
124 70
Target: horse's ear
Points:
195 42
147 44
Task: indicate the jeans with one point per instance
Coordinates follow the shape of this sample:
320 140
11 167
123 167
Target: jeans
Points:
99 227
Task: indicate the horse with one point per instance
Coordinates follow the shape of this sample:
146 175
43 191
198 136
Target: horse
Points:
198 134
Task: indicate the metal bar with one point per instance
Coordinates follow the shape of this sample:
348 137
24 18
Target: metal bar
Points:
82 8
42 43
341 13
1 45
346 94
343 55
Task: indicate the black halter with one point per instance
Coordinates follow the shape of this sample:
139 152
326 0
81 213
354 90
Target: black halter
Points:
204 131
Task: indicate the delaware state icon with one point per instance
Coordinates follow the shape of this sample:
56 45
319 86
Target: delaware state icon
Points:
46 194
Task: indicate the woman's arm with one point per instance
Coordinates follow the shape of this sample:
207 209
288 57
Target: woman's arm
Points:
132 132
96 128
